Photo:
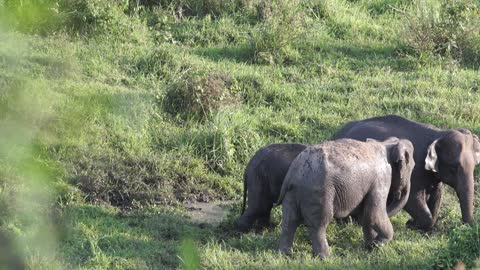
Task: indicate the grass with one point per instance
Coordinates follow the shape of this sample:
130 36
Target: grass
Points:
115 114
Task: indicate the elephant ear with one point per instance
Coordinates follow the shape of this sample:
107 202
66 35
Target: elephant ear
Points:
431 161
476 149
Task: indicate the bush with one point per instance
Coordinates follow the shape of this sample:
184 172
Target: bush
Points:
282 24
226 143
102 17
161 63
449 30
199 95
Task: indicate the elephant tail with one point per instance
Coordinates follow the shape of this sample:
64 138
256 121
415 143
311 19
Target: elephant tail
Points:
244 192
283 191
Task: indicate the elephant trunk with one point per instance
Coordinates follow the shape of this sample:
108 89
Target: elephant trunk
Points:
400 198
465 191
399 189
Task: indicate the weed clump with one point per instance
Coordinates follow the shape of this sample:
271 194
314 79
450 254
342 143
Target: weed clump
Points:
199 95
160 63
448 30
282 23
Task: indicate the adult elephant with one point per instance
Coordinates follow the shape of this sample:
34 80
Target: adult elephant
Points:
441 156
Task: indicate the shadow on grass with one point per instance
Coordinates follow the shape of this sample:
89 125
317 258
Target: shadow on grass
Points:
107 237
352 56
152 239
359 56
236 54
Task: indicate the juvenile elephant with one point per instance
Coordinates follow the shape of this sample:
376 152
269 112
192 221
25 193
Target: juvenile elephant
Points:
263 179
336 179
442 156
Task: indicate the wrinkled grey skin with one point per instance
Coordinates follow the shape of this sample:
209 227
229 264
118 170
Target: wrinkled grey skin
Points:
442 156
336 179
263 179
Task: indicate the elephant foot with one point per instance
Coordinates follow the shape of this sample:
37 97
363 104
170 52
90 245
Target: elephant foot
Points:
242 226
262 226
285 252
411 224
376 244
321 255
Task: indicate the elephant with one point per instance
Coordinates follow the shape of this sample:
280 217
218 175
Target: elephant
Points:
345 177
442 156
263 179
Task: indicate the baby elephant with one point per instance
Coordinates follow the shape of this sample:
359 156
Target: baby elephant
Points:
263 179
345 177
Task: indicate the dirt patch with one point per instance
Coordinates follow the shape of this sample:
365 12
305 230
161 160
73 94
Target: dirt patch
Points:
208 212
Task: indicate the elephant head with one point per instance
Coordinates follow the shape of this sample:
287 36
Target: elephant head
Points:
400 157
452 158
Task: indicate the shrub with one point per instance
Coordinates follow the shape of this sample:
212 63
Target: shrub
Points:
100 16
161 63
226 142
282 24
449 30
199 95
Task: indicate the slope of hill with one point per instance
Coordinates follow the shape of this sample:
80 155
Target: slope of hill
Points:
116 113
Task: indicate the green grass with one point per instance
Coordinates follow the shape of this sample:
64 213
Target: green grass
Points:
113 115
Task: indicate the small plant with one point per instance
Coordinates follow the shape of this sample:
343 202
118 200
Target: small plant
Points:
199 95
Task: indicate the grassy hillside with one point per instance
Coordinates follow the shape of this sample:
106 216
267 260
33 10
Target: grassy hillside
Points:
116 113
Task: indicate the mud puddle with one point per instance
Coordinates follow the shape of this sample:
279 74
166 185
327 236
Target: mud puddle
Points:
208 212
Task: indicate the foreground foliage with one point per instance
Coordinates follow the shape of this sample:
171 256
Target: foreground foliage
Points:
115 113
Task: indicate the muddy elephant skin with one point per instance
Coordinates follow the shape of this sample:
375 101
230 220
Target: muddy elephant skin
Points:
345 177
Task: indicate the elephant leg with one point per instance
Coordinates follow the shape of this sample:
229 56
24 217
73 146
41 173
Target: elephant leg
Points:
384 229
417 208
264 220
317 217
290 222
369 235
377 227
258 209
318 236
435 200
245 222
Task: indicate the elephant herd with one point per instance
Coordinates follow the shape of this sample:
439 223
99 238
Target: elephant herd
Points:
370 170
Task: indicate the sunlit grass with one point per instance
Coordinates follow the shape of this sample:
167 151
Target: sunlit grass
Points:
84 126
